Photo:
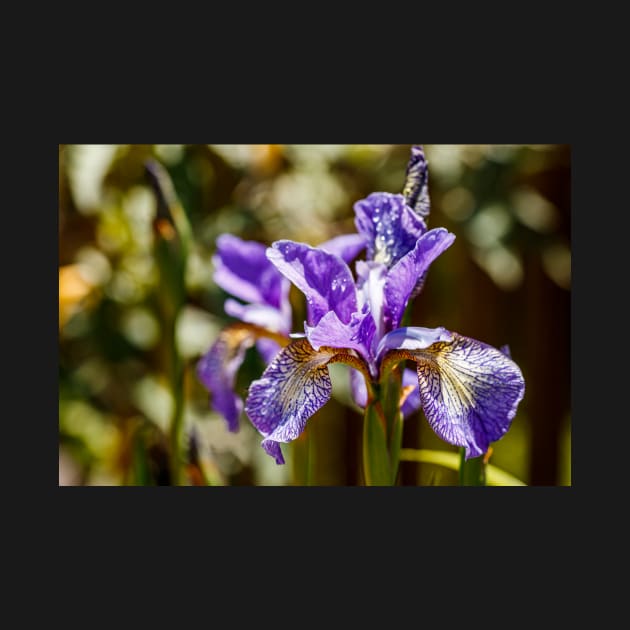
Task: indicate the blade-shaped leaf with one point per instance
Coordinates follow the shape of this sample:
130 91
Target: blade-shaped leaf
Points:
494 476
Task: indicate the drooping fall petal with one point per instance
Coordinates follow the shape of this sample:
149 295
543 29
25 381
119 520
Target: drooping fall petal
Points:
469 390
218 367
292 388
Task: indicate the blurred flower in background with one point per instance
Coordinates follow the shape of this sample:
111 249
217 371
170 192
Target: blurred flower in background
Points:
506 280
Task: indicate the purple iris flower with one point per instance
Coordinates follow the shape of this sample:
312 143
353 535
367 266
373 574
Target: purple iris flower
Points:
242 269
469 391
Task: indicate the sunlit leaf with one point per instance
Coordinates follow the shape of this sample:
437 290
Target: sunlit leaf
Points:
494 476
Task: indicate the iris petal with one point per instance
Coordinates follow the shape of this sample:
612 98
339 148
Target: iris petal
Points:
371 278
358 388
390 228
218 367
346 246
412 338
273 448
324 278
469 392
331 331
292 388
259 314
412 401
264 316
403 277
242 269
267 348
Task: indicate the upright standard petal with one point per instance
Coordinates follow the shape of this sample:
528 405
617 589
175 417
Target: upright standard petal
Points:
346 246
371 277
218 367
469 391
390 228
409 270
324 278
292 388
416 190
243 270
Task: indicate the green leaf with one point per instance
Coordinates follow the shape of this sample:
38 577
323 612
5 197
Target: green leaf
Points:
396 442
172 242
494 476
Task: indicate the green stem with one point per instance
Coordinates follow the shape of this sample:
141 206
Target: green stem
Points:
392 388
376 458
383 425
471 472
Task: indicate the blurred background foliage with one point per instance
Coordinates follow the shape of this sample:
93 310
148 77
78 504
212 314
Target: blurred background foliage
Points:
506 280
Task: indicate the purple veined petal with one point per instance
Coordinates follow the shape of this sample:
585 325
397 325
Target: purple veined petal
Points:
412 338
416 190
346 246
273 448
242 269
324 278
390 228
404 275
412 402
217 371
259 314
469 392
357 335
292 388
